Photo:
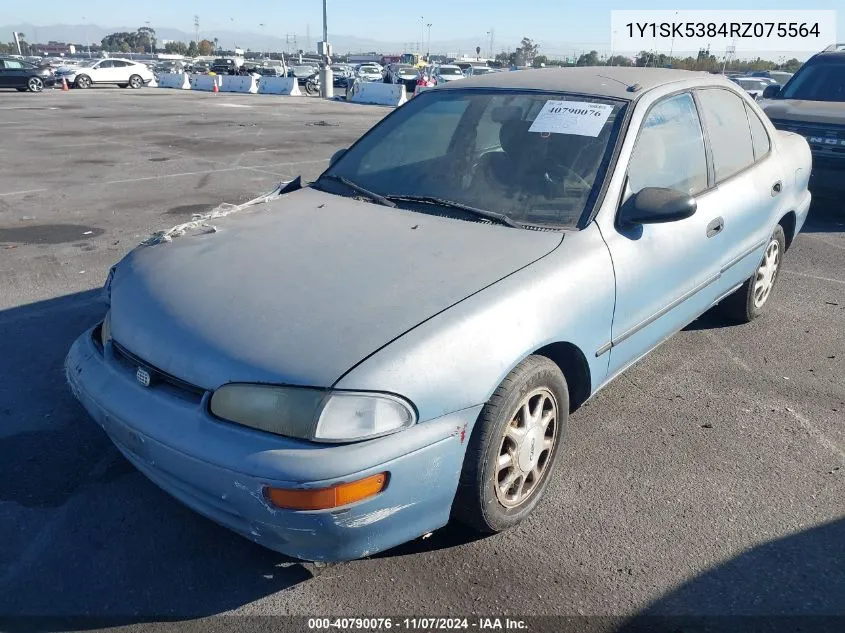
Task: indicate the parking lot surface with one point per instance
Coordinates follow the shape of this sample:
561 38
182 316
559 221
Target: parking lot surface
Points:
709 479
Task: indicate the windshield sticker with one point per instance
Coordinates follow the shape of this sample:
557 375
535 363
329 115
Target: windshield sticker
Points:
571 117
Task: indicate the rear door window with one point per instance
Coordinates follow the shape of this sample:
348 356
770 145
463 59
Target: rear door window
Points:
759 137
723 115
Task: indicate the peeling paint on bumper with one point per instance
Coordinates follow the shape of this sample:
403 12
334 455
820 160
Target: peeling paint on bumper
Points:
220 470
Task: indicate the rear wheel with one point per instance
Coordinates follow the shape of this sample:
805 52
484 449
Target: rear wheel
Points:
35 84
135 82
514 447
748 302
83 81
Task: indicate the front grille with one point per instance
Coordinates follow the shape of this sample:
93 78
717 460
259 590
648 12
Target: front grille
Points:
158 378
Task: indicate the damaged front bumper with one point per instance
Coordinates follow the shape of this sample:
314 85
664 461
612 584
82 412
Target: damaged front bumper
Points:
220 470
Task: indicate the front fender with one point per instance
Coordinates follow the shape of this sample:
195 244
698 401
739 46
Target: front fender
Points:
456 359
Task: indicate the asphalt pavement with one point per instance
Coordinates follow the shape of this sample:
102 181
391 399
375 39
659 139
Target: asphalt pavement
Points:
707 480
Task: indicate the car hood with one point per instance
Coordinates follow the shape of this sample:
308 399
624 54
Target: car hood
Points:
301 289
802 111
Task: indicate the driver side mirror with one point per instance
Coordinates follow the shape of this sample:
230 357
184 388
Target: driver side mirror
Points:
336 156
654 205
770 92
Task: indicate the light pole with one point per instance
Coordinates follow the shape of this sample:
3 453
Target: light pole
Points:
672 46
87 43
428 46
326 75
262 39
422 33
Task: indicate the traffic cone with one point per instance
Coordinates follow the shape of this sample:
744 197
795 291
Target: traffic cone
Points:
64 84
214 87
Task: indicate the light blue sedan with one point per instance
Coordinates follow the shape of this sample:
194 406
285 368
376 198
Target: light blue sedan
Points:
401 342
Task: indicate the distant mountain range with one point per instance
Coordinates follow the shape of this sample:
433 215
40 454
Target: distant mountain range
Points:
341 44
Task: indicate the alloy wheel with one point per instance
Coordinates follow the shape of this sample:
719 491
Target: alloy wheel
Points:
764 280
527 445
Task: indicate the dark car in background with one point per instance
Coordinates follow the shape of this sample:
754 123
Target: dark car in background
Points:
812 104
23 76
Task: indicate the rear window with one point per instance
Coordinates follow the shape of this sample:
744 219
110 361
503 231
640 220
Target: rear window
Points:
821 81
723 114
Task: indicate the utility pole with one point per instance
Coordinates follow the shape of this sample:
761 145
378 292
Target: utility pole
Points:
490 34
422 34
428 47
325 50
197 30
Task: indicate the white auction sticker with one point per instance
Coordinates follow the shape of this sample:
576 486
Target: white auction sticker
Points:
571 117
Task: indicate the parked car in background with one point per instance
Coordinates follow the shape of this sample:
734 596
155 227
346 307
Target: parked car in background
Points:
369 72
812 104
23 76
122 72
752 85
302 73
477 71
446 73
343 75
405 75
567 223
779 76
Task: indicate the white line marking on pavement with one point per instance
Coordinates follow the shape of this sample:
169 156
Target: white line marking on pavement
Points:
727 350
21 193
823 439
795 272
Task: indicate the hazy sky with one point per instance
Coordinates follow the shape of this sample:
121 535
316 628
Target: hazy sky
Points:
581 23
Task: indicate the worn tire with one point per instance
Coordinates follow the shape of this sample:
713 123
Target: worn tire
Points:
741 306
477 502
83 81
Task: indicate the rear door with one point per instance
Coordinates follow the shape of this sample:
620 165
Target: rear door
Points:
749 182
4 75
123 70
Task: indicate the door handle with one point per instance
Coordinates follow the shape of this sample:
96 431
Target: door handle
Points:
777 188
715 227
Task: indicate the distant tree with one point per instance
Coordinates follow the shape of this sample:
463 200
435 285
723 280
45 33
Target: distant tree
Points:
192 49
588 59
478 50
216 45
146 37
790 66
124 48
619 60
527 51
206 47
540 61
176 48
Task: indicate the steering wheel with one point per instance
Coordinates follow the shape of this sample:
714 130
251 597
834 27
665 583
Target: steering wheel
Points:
553 176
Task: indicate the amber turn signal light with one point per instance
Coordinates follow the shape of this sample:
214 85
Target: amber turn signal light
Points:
325 498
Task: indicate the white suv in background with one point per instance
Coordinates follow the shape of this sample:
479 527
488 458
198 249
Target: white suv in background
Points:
123 72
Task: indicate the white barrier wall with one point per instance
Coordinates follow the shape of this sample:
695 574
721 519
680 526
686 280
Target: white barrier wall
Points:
239 83
378 93
153 83
174 80
279 86
205 82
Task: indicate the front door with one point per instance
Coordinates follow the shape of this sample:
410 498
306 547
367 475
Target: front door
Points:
659 267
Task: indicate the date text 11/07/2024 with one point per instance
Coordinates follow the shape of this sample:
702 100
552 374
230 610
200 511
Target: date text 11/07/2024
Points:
417 624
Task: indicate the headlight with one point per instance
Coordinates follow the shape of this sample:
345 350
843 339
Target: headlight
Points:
312 414
105 329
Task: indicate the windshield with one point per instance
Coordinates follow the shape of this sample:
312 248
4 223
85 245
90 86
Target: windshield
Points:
450 71
538 158
818 82
88 63
369 69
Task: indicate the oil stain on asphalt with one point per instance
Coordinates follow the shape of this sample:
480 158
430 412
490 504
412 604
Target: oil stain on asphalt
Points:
188 209
48 234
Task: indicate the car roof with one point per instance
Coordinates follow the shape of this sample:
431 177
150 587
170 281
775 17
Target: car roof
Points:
602 81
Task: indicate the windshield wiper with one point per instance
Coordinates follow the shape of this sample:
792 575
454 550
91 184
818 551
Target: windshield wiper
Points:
501 218
376 197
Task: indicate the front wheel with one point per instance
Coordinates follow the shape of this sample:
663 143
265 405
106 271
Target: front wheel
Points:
748 302
135 82
35 84
514 447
